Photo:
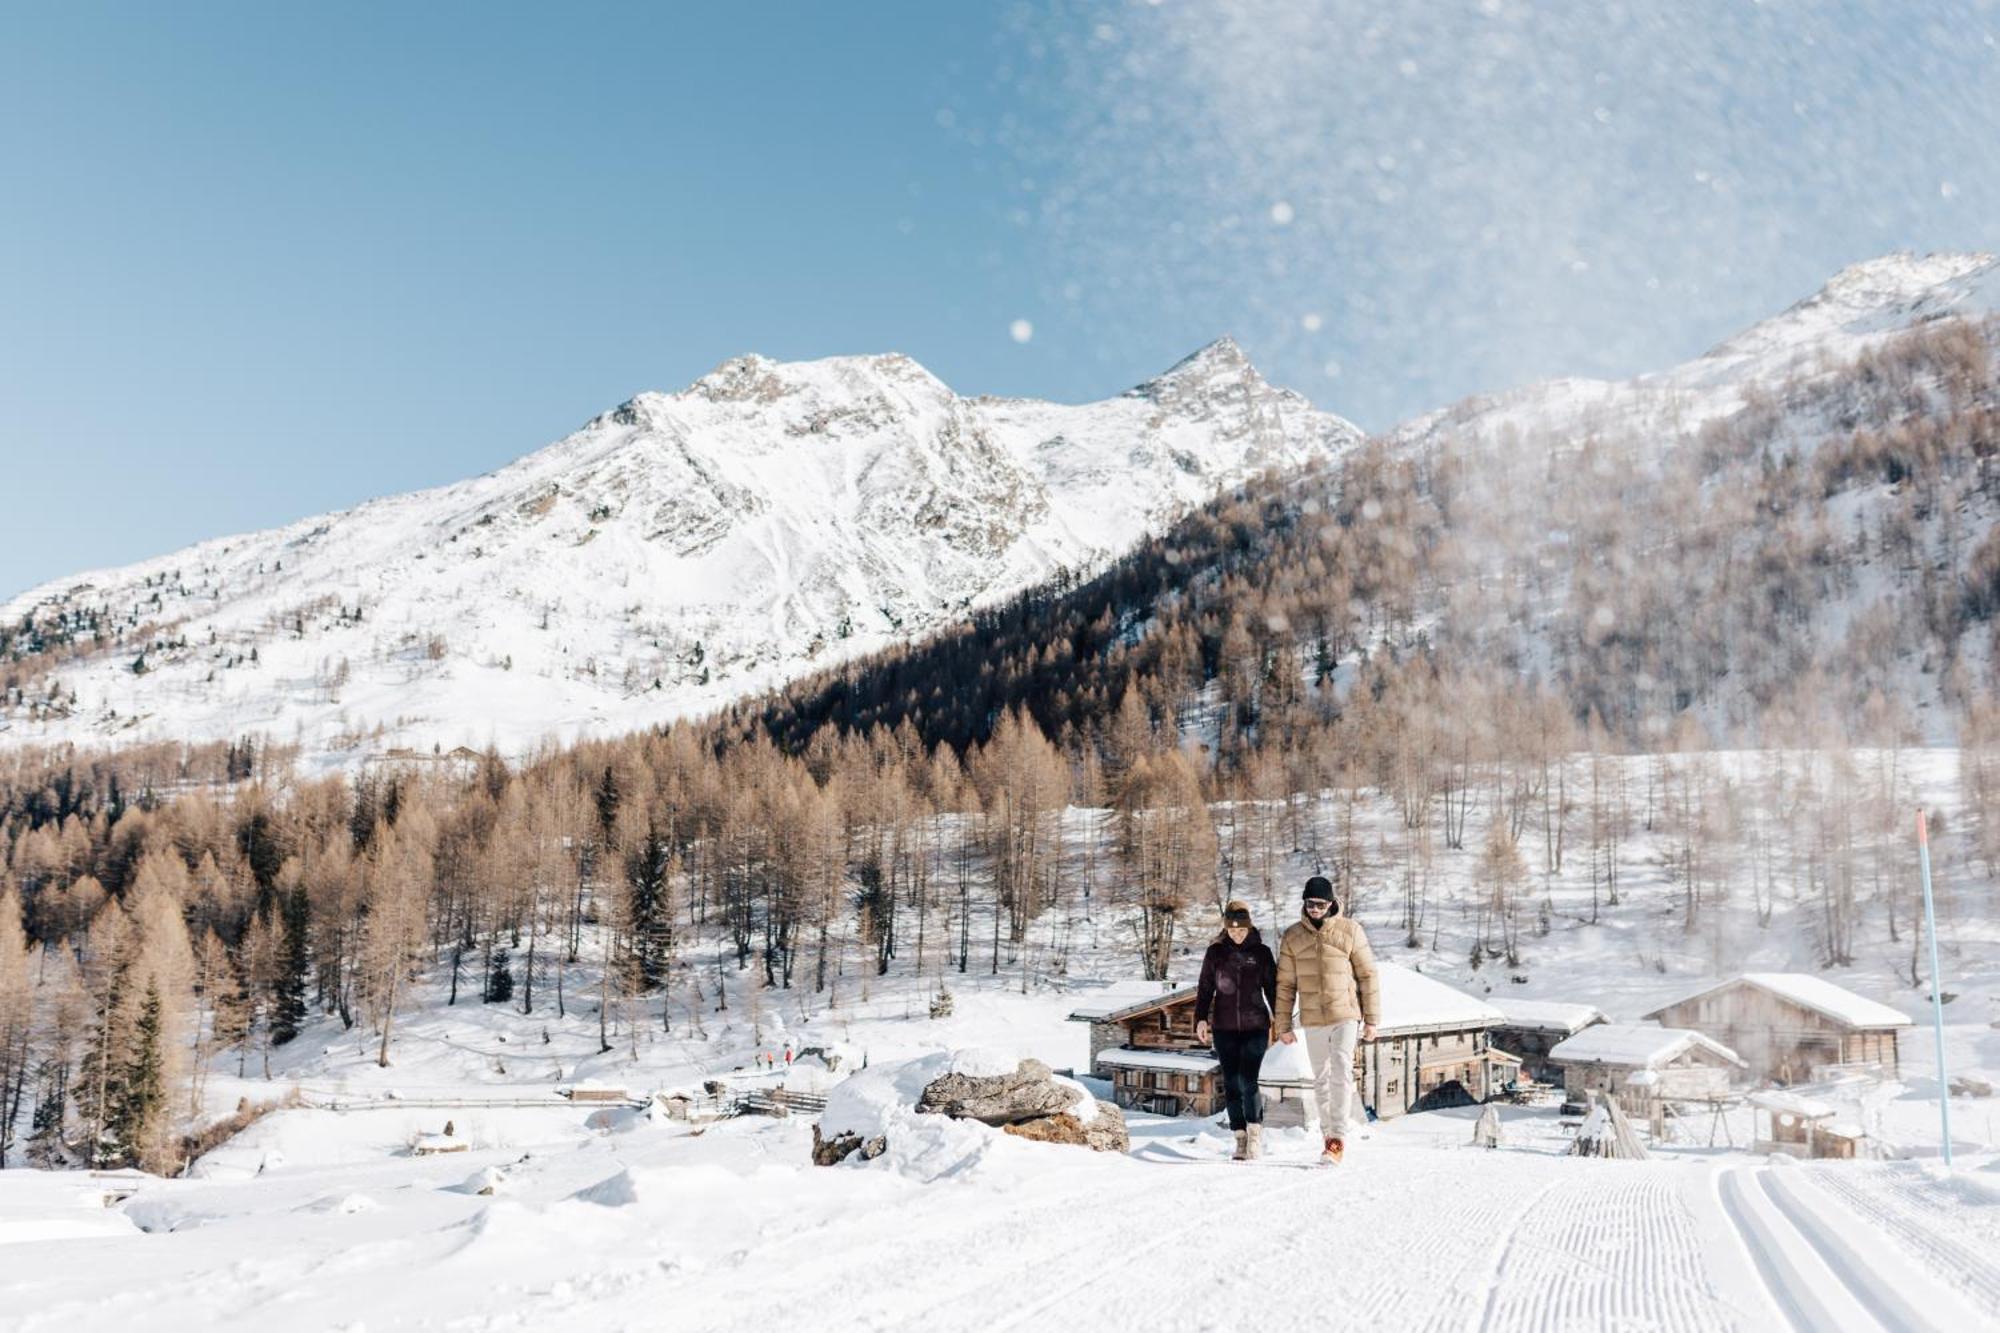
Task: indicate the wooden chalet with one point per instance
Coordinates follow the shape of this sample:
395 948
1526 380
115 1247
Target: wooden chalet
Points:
1791 1027
1641 1064
1533 1028
1432 1048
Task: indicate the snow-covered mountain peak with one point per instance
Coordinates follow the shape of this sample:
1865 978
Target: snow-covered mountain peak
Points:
755 380
1872 296
1221 366
1859 306
677 552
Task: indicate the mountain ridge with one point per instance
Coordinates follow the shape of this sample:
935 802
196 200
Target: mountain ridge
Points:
695 546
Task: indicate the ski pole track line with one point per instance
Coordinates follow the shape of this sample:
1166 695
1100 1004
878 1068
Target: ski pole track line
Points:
1460 1311
1853 1249
1605 1253
1904 1204
1802 1289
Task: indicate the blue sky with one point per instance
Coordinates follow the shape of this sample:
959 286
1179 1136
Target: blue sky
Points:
260 261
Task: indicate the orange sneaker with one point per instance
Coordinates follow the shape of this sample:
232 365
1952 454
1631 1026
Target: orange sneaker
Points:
1334 1152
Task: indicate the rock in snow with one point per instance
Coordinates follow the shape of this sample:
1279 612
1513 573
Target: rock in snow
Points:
931 1120
1026 1092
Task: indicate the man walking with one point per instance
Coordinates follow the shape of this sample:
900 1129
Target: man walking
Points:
1327 968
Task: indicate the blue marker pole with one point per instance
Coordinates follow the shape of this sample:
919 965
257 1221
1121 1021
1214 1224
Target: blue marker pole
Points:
1937 988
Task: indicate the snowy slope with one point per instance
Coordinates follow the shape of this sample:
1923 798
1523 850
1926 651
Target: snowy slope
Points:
679 552
1860 305
644 1225
1612 519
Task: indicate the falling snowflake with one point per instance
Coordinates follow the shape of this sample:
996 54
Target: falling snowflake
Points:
1021 330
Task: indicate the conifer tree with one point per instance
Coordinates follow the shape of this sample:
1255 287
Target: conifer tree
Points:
293 969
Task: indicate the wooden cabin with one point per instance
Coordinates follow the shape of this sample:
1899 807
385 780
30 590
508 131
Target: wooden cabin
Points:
1533 1028
1801 1126
1431 1048
1790 1027
1641 1064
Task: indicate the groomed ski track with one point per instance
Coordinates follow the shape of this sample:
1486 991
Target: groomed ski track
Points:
1396 1238
732 1230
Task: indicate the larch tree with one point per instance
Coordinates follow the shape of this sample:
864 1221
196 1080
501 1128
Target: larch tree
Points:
397 877
17 1017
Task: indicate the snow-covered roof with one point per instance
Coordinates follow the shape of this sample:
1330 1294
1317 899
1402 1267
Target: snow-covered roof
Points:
1638 1045
1548 1015
1192 1062
1814 993
1119 996
1412 1000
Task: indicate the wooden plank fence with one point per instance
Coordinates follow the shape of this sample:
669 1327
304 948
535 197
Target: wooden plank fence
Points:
754 1101
549 1103
779 1102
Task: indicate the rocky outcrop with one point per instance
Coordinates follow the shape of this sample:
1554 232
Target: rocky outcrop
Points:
1104 1131
1029 1092
926 1115
833 1151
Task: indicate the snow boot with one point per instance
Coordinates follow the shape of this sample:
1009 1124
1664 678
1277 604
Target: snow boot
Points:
1242 1147
1334 1153
1253 1143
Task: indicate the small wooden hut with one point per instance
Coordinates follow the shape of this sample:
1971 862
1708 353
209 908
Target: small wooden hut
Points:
1792 1027
1532 1028
1641 1064
1801 1126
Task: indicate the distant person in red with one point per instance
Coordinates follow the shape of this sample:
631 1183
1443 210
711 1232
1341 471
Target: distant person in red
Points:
1232 1009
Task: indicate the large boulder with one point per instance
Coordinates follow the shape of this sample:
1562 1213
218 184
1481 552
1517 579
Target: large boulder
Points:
934 1116
1029 1091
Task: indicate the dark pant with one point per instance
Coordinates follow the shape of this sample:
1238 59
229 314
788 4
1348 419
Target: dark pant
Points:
1242 1055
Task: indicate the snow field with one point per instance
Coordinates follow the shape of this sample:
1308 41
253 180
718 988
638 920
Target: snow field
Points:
616 1219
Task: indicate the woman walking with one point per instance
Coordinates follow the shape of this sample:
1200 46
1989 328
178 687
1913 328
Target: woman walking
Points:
1232 1009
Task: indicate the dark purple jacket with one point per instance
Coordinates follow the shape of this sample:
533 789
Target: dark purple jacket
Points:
1239 984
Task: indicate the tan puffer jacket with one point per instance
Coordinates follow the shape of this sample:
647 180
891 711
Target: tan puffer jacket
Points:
1330 971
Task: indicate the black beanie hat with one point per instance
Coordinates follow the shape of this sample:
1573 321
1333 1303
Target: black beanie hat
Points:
1319 886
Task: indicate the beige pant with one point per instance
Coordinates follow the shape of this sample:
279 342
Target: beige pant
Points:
1331 1052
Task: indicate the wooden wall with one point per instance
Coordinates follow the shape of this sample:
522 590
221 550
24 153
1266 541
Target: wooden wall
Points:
1776 1038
